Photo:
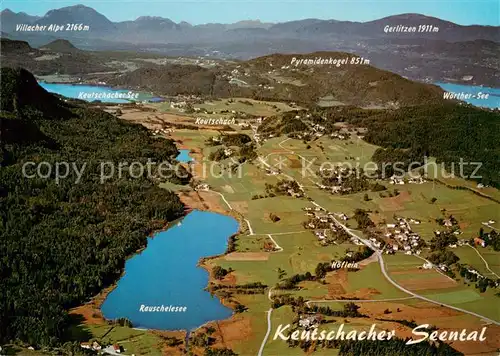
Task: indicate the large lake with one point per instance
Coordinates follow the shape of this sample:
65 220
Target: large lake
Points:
166 273
493 100
93 92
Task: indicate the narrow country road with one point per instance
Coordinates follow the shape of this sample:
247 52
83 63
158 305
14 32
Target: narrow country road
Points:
485 263
261 349
269 312
249 227
223 198
278 247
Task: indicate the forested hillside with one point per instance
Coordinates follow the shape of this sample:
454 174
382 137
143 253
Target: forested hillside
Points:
449 132
62 242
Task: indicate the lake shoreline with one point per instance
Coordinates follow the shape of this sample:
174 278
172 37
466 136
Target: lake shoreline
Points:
101 88
92 312
201 233
193 200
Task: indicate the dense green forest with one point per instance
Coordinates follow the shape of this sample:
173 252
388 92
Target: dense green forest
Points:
62 241
450 132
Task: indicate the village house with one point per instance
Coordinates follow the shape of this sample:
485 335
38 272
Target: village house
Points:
117 348
94 346
427 265
479 241
473 271
344 217
396 180
268 246
443 267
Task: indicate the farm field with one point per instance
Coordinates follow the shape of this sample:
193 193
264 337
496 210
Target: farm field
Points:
301 253
240 105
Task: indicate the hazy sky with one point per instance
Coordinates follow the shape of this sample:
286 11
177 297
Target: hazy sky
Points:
483 12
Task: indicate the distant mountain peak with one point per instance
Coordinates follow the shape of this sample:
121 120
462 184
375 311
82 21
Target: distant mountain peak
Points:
77 14
151 18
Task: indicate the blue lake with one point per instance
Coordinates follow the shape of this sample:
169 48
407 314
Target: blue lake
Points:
166 273
184 156
94 92
493 100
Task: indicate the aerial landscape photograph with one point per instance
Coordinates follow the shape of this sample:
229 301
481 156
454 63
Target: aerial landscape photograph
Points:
252 178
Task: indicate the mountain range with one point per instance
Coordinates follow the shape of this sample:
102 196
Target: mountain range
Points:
156 29
452 53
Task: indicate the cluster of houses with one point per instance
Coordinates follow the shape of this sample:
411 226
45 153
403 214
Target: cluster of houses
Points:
260 138
322 222
399 180
338 172
95 346
202 187
310 321
267 87
179 105
234 76
162 131
401 232
180 102
428 265
294 191
215 139
334 189
339 136
474 271
272 172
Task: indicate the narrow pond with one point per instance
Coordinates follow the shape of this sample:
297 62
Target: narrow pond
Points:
166 274
184 156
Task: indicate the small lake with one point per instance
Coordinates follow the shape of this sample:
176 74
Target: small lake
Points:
493 100
166 273
184 156
97 92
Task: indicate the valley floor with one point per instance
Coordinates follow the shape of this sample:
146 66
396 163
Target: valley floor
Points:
296 250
